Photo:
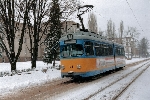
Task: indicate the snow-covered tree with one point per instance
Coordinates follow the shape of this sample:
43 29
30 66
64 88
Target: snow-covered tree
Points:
53 36
57 10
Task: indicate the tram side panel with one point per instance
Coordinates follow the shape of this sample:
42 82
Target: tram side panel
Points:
110 62
104 55
120 61
119 56
105 64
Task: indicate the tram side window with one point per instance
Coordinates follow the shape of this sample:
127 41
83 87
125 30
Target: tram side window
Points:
119 51
116 51
98 49
122 51
102 50
106 50
110 50
65 51
89 48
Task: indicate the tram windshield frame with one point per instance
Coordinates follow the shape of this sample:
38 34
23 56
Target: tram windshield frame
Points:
72 50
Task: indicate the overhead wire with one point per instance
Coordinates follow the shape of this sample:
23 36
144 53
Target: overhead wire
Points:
132 13
134 16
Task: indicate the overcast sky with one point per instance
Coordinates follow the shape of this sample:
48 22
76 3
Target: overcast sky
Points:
118 10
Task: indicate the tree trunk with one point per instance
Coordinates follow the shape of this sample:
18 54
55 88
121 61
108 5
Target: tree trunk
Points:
34 56
54 62
33 62
13 66
54 57
33 59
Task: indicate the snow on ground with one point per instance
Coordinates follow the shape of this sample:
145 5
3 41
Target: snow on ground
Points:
10 83
140 90
114 89
134 60
83 91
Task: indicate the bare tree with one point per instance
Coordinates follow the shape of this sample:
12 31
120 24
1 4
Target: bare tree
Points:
68 8
34 16
121 29
109 29
100 32
114 31
13 20
92 23
39 23
134 32
143 47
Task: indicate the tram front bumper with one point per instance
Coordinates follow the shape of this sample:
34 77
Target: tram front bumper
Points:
71 74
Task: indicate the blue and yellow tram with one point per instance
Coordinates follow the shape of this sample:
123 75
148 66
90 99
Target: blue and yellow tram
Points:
85 54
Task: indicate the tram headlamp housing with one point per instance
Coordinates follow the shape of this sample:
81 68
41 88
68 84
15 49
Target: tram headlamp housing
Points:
78 66
62 67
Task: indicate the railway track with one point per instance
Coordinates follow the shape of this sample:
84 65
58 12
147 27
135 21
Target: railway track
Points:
52 89
115 94
132 81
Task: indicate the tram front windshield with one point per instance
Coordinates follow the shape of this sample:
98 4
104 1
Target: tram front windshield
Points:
71 50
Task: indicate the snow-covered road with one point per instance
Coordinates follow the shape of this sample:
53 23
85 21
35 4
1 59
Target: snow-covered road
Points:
116 89
96 90
138 91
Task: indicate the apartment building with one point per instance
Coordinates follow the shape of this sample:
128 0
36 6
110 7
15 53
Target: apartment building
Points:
25 53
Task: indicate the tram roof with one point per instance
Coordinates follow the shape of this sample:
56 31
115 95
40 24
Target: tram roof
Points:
84 35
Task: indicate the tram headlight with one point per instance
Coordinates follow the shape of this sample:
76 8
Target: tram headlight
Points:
78 66
62 67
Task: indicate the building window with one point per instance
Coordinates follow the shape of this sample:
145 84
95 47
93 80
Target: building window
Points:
25 51
25 39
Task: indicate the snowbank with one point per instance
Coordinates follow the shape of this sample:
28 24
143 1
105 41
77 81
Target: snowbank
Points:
25 79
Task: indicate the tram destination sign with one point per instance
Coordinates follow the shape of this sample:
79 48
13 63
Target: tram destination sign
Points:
70 41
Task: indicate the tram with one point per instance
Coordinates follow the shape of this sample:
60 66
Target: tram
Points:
86 54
